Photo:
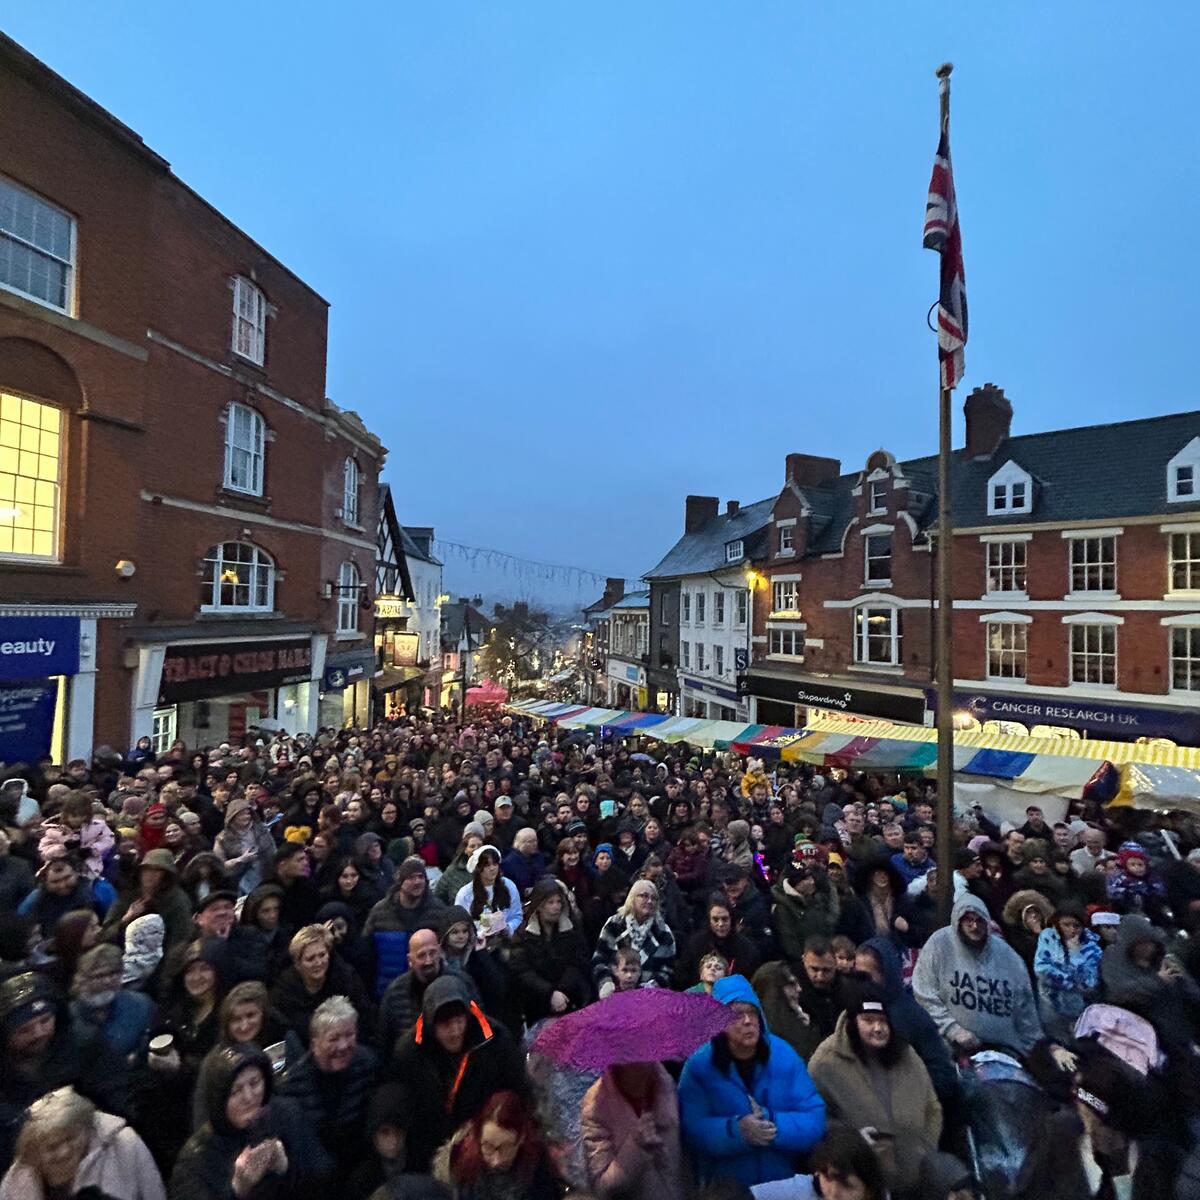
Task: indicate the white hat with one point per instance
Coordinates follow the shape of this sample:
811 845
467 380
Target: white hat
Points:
473 861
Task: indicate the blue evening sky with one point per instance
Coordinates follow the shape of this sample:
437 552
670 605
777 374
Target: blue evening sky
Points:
584 259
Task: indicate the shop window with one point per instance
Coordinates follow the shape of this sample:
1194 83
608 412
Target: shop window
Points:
1094 564
238 576
350 474
1094 654
877 636
1185 659
1006 567
348 596
245 440
788 643
30 478
1007 649
1185 562
877 549
249 321
37 248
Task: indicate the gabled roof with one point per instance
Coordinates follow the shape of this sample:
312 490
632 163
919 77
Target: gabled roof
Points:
412 544
704 549
1098 471
389 524
458 614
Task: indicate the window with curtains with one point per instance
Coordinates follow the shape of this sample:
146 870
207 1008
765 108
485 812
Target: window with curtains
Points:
877 636
245 454
238 575
1007 649
249 321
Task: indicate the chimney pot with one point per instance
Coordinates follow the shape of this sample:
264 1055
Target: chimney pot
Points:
731 506
698 511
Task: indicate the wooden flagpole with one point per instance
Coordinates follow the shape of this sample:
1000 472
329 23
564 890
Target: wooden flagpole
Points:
945 659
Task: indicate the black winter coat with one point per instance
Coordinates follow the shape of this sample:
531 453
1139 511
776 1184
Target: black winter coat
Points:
546 962
493 1064
296 1005
334 1107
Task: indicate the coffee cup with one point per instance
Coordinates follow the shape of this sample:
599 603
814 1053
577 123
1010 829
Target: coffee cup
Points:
162 1044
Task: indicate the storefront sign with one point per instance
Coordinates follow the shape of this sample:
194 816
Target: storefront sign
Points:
702 687
27 719
839 698
227 668
37 647
390 608
404 648
1096 719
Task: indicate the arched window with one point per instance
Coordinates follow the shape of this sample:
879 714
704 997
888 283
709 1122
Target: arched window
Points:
238 576
249 321
245 439
350 492
348 594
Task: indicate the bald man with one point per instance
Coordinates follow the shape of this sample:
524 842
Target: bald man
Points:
401 1002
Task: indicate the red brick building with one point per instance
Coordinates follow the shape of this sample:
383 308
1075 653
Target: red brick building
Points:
1076 581
178 497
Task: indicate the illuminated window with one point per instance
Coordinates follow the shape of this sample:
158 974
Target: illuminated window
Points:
1007 649
877 636
249 321
348 593
245 434
37 248
350 492
238 576
30 477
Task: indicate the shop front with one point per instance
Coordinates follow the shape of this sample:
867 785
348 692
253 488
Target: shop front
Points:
346 690
795 700
626 685
1062 715
42 710
206 692
704 698
398 682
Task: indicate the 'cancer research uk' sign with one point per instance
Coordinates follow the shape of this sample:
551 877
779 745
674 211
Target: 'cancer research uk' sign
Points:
38 647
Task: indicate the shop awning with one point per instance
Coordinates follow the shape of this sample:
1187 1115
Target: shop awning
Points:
1131 773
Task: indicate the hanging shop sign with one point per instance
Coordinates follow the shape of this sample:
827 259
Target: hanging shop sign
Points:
837 697
37 647
27 719
227 668
390 608
404 648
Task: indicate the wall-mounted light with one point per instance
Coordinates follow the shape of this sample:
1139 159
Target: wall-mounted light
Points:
125 569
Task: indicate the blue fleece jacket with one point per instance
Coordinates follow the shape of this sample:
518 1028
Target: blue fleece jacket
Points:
712 1102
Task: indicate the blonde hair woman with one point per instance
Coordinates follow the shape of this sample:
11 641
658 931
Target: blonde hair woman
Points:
67 1145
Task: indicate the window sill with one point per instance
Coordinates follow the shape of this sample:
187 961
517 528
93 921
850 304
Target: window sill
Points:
1004 597
1099 687
1092 596
877 583
256 499
785 553
784 658
1183 594
877 668
237 614
349 635
15 562
785 614
244 360
1007 679
356 527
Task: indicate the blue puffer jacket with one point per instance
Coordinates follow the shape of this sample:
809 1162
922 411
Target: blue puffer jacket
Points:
712 1102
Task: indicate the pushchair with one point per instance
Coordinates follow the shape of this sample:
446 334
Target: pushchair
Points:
1004 1110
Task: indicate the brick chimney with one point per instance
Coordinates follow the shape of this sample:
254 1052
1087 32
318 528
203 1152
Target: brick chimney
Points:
698 510
809 470
614 589
731 506
989 420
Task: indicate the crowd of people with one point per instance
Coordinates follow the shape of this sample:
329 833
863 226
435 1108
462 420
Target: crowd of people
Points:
296 963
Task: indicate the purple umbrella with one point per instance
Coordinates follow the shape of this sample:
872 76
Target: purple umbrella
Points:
644 1025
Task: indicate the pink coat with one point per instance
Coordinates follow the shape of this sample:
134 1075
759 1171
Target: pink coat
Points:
616 1164
116 1161
95 841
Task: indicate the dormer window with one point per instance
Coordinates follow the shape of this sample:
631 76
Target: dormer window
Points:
878 495
735 551
1010 491
1183 474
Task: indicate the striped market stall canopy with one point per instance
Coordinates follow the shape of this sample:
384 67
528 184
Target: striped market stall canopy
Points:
1144 775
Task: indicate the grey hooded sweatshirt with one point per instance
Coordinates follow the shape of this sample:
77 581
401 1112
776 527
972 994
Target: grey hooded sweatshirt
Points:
984 991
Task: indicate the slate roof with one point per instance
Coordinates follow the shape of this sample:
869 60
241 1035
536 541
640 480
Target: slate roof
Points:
633 600
1095 472
412 549
704 550
453 614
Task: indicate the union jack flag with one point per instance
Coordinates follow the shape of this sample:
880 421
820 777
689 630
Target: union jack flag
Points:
943 235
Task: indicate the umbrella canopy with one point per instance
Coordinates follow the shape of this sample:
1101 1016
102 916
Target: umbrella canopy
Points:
642 758
644 1025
